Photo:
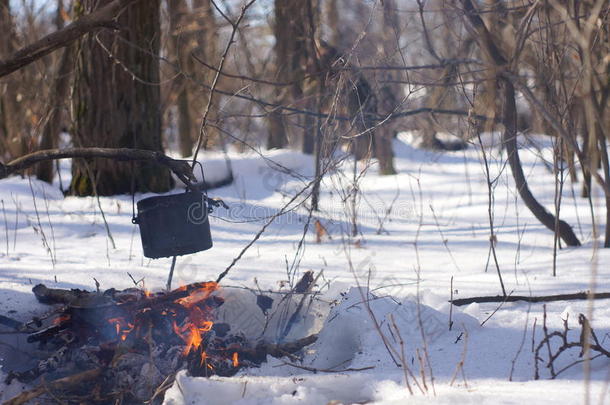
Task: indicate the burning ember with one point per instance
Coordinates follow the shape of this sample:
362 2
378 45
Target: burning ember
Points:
137 340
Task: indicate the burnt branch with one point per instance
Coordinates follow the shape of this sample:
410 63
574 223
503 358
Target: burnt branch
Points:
61 384
52 296
102 18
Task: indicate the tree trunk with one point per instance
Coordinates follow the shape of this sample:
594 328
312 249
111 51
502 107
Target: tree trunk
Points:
12 143
276 138
362 105
332 18
291 56
58 98
387 98
179 47
52 128
606 167
117 102
205 40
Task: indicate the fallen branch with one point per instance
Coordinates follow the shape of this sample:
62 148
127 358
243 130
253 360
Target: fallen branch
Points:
542 298
61 384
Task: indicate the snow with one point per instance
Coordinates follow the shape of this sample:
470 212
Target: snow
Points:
419 232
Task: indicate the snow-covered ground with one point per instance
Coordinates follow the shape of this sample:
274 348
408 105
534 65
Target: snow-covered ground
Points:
418 232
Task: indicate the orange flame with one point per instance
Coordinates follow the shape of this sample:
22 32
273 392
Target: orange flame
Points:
235 360
191 329
198 321
191 334
198 295
122 327
61 319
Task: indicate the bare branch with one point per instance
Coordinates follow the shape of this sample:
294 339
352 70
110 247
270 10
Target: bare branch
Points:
580 296
180 167
102 18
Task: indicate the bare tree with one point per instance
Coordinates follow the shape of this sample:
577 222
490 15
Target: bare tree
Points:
500 61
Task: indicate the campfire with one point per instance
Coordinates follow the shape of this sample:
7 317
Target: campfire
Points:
127 345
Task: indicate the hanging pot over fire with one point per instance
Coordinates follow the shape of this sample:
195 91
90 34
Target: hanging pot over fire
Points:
177 224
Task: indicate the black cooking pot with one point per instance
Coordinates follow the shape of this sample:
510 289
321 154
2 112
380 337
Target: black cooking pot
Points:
174 225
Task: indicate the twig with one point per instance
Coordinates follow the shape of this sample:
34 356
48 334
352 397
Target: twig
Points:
495 310
5 226
521 345
460 366
171 274
490 213
404 364
204 119
451 306
45 242
444 240
281 212
326 370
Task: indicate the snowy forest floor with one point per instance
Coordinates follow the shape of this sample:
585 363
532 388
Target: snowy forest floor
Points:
417 231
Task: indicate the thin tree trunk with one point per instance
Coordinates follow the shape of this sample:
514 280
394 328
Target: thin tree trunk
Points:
205 40
276 138
586 174
384 135
52 128
362 105
509 139
12 143
387 98
179 46
332 16
311 132
606 167
291 56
